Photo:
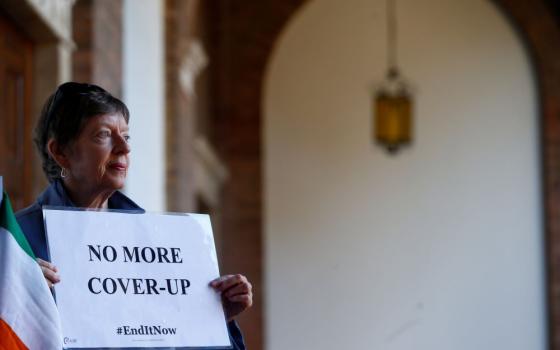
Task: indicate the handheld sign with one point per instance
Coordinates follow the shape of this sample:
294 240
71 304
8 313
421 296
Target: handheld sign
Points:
135 280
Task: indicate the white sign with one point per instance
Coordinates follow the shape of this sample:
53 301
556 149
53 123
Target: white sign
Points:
135 280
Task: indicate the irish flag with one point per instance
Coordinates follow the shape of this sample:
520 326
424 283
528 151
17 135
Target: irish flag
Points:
28 315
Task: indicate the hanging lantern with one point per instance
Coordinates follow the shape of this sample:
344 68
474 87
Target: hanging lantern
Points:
393 100
393 113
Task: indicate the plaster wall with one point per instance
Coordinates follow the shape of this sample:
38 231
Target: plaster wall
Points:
438 247
143 87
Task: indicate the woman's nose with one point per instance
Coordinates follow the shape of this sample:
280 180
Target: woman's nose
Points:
121 145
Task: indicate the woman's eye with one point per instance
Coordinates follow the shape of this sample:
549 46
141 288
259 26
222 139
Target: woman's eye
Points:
103 134
126 137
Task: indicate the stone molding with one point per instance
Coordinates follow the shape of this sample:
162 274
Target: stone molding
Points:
43 20
209 172
57 14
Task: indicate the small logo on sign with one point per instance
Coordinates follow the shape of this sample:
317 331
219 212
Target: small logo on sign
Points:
69 340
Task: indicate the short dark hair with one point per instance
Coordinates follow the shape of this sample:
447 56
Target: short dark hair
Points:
64 115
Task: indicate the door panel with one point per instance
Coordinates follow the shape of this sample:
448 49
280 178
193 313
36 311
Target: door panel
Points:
16 52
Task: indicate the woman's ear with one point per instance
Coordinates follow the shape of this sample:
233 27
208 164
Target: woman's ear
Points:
58 153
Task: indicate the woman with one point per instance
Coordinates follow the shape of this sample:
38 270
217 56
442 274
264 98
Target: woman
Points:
82 137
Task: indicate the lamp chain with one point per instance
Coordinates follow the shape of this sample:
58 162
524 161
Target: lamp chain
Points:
392 36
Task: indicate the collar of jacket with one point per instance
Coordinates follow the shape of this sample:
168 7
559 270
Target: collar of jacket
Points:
55 195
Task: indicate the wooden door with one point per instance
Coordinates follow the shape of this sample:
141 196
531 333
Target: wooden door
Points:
16 52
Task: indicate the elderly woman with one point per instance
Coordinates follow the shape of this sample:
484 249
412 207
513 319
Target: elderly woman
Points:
82 137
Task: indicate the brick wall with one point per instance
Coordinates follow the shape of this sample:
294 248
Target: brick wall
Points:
97 32
240 40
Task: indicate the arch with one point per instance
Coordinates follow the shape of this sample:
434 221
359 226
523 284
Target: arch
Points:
249 32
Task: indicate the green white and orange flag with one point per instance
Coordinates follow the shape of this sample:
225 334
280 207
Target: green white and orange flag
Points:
28 315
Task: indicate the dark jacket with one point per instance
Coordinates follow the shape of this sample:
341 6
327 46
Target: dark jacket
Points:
31 221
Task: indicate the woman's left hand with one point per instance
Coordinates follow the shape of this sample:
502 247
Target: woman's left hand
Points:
237 294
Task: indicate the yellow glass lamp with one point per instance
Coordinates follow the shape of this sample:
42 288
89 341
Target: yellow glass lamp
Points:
393 113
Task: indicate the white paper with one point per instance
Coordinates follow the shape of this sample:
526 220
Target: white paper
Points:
167 302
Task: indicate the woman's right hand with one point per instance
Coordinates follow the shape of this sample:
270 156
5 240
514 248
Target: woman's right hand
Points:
49 271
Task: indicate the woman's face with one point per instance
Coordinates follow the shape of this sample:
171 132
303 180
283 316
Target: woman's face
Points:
98 158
